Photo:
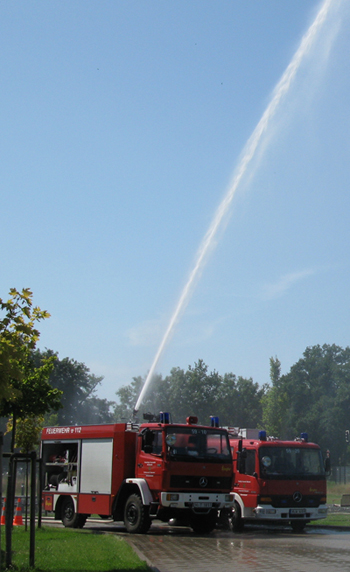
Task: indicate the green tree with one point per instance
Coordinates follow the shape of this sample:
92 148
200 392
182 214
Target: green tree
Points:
182 393
198 392
275 370
314 397
80 404
274 402
96 411
24 387
194 392
17 337
155 400
28 432
127 396
239 402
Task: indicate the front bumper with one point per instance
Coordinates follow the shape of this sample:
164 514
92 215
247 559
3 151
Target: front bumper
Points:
197 501
268 512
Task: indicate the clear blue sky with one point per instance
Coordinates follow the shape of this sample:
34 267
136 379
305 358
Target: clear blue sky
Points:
121 125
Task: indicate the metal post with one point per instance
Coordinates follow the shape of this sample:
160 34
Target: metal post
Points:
1 445
9 514
40 488
26 497
32 508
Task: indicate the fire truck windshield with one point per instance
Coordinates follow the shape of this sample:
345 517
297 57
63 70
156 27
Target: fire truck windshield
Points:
193 444
290 462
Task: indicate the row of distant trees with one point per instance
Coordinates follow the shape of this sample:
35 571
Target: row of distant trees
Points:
313 397
37 387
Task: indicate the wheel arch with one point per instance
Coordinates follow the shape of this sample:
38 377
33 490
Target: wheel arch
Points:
59 503
240 502
130 487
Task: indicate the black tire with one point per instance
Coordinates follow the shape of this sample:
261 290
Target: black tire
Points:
204 523
69 517
298 525
82 520
224 519
136 515
237 522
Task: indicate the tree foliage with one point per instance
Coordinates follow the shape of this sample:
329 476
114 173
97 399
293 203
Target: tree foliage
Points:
78 385
28 432
313 397
195 391
274 401
127 397
24 387
17 337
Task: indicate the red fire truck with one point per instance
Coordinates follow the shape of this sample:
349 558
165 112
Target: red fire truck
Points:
138 473
274 480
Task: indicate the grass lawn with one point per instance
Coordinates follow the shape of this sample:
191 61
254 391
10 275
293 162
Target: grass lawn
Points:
334 494
333 520
68 550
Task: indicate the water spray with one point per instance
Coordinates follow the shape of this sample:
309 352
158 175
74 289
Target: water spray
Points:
249 151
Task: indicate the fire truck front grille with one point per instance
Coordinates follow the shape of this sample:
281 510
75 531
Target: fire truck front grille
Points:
287 501
201 483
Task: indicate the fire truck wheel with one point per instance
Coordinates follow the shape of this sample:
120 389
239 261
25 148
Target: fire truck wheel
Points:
69 517
224 519
204 523
136 516
237 522
298 525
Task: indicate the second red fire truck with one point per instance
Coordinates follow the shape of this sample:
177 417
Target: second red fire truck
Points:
278 481
138 473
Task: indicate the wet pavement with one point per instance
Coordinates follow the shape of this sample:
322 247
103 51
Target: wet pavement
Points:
256 549
314 550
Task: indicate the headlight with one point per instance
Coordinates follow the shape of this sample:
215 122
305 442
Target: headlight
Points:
172 497
265 500
259 511
228 498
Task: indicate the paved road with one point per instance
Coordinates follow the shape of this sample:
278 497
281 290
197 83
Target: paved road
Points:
253 550
257 549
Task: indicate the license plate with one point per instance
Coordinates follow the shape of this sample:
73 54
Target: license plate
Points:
294 511
202 504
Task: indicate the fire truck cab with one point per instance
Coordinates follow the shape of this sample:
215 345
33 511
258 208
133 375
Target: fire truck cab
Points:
278 481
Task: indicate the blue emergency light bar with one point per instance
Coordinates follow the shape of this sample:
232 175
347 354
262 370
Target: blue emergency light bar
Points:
164 417
214 421
262 435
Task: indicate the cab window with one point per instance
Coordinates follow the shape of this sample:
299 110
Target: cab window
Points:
250 462
152 442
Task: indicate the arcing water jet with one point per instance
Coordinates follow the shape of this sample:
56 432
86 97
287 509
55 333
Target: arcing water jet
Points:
249 152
